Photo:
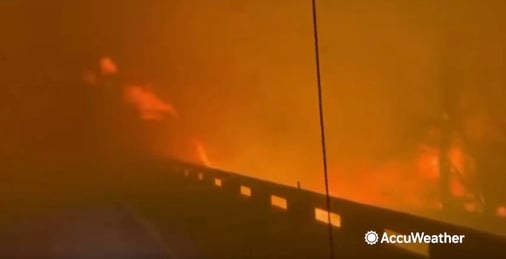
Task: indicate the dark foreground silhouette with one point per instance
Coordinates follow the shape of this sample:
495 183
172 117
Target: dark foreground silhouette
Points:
173 210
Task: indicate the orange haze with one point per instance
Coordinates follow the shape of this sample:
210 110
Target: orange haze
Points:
149 106
242 77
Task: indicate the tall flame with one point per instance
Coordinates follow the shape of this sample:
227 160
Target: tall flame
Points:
148 104
201 152
419 174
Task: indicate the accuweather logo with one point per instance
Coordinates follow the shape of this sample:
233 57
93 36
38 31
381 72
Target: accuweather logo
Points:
372 238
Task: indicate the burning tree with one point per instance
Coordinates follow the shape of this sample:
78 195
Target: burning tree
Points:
473 122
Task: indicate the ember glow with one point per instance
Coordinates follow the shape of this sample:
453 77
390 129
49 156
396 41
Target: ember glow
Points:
501 211
150 107
89 77
394 184
383 141
148 104
201 153
108 66
243 85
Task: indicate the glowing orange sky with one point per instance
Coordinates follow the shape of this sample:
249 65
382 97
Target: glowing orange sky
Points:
382 68
241 76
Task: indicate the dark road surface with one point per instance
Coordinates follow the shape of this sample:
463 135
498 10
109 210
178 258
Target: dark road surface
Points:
103 231
83 215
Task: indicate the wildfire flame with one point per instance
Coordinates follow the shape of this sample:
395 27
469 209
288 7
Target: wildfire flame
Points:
148 104
108 66
428 162
501 211
398 183
201 152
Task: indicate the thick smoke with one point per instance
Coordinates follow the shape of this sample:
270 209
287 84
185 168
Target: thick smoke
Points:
241 77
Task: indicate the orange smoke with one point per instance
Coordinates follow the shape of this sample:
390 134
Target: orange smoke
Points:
501 211
89 77
428 162
151 108
410 183
201 153
148 104
108 66
393 184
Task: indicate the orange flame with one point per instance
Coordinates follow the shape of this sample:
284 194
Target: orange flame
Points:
108 66
501 211
201 152
411 183
419 176
428 162
148 104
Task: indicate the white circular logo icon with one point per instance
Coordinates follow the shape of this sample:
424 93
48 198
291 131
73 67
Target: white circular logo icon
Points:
371 237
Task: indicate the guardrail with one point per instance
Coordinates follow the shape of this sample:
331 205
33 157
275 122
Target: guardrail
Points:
350 220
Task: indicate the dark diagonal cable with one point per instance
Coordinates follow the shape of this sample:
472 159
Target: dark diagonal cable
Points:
322 128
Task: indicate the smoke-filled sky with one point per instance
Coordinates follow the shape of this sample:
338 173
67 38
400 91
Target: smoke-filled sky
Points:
240 75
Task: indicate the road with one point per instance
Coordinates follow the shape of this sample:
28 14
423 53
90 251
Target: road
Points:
94 231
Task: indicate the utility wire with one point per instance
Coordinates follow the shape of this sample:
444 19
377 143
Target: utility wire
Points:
322 128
